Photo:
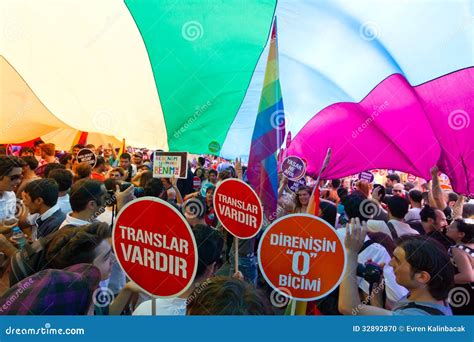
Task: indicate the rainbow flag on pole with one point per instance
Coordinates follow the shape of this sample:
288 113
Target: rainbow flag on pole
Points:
268 134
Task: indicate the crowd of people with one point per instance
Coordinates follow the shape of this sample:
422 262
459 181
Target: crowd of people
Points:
416 239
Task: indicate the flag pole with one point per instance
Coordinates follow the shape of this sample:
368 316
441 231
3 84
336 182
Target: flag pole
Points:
301 306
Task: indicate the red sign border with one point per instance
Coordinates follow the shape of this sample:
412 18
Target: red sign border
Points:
259 203
302 161
276 288
155 199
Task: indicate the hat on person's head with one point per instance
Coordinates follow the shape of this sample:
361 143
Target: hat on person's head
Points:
138 154
53 292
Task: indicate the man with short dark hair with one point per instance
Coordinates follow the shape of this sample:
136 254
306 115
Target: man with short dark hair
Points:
27 152
37 149
420 264
395 227
64 180
415 197
434 224
392 179
126 164
40 197
87 197
213 177
28 173
87 200
76 148
52 166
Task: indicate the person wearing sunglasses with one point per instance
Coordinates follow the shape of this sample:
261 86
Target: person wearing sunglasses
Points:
11 169
398 190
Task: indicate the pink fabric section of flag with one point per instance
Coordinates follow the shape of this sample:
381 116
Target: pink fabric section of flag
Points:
398 126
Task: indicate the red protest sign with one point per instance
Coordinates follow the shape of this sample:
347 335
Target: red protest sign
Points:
196 182
238 208
155 247
302 257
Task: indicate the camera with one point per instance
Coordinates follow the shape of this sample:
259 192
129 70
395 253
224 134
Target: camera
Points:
137 192
110 185
371 272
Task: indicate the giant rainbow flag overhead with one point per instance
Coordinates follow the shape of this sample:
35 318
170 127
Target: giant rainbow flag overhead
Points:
268 134
188 75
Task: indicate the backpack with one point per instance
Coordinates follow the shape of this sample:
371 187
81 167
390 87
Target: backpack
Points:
428 309
31 259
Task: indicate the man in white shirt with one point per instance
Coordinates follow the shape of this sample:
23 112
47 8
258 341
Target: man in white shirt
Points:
40 197
210 244
11 169
415 197
397 209
64 180
379 255
86 199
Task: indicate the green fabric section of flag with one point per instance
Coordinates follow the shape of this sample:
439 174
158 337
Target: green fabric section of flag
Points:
203 54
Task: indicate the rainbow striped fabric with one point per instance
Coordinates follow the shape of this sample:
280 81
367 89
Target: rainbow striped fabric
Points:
268 134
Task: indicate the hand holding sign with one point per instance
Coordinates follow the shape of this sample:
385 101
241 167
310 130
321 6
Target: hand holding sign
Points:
239 210
167 164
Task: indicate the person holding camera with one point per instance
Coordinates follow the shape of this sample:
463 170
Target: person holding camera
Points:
88 199
420 264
